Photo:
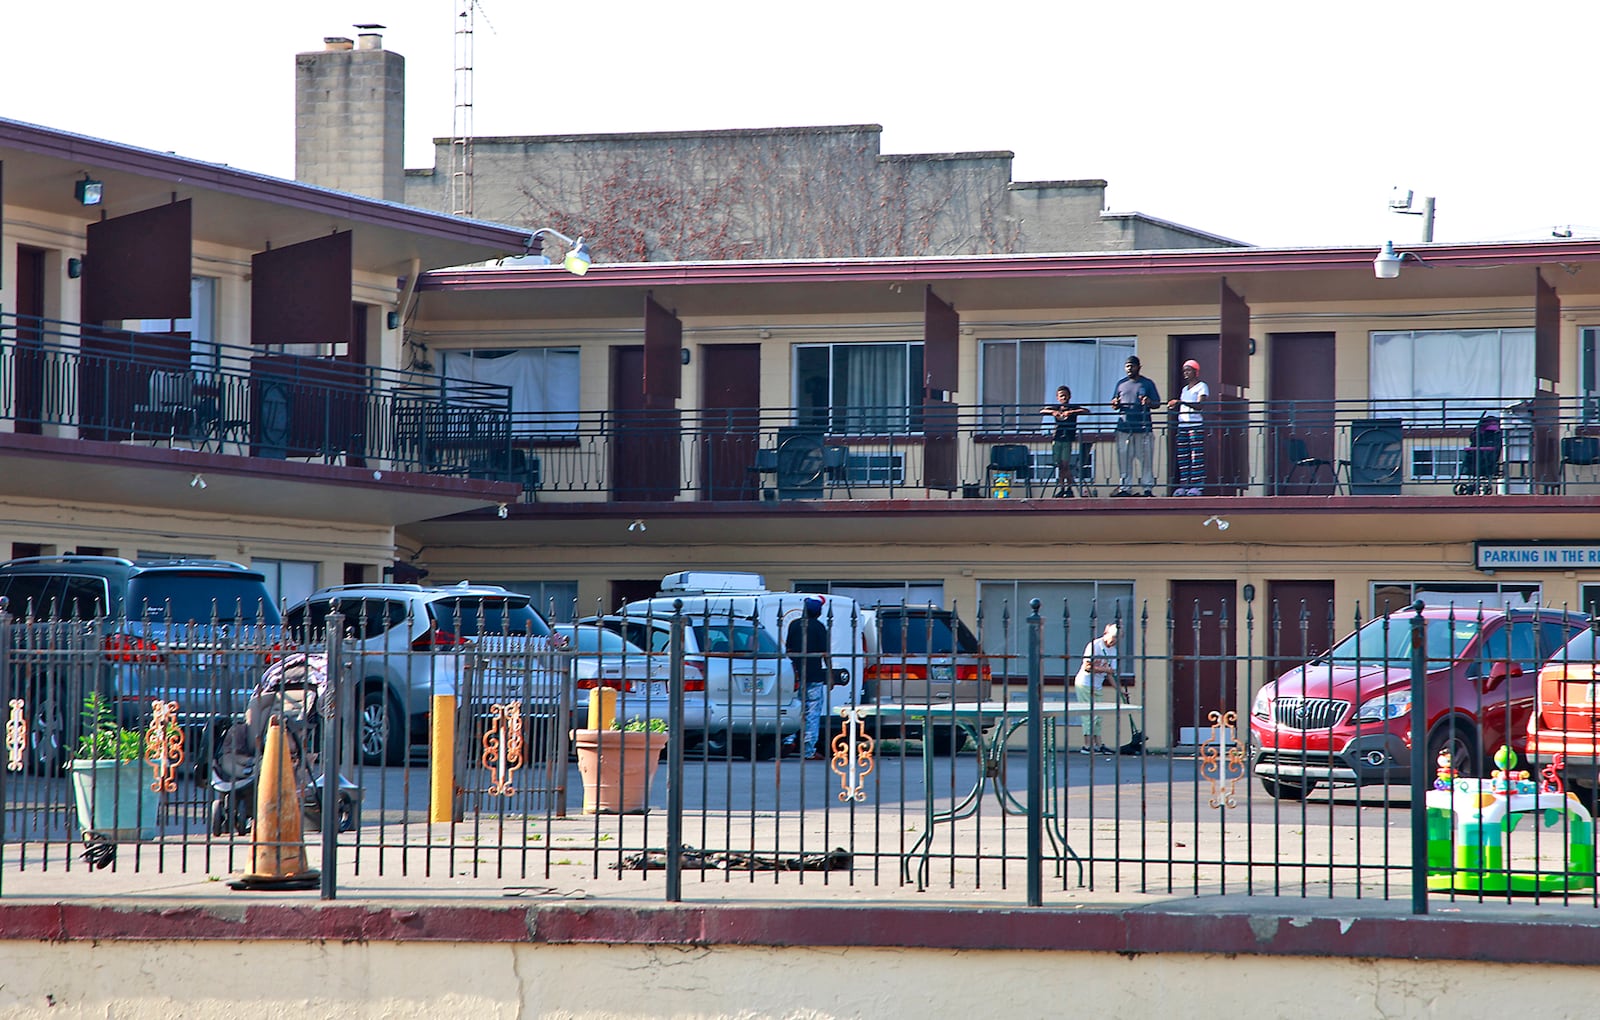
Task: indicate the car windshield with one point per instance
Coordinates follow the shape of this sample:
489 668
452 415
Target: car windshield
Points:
474 615
1386 641
732 638
923 634
197 597
596 639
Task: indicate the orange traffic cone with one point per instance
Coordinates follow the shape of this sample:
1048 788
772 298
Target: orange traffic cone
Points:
278 857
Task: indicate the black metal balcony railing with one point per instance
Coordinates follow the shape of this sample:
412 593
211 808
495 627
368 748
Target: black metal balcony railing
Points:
1289 448
72 379
116 385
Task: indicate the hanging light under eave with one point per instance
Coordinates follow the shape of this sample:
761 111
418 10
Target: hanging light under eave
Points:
578 259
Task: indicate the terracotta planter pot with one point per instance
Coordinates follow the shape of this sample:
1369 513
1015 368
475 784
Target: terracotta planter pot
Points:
617 768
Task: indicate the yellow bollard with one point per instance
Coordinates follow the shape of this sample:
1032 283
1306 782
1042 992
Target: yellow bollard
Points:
442 751
602 708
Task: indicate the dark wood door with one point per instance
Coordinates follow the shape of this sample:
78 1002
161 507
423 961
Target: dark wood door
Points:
30 359
730 420
1300 414
1298 624
1205 615
644 439
1227 441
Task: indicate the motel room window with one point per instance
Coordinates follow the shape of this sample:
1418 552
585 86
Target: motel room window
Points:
883 593
1073 613
1450 376
288 581
556 601
1017 377
543 381
859 388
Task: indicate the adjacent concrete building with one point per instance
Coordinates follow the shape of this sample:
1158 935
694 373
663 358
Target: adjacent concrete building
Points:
786 192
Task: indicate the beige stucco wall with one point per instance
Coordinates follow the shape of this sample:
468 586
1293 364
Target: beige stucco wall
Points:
133 980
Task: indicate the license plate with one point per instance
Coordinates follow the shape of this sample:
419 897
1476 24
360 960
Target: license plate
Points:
747 684
943 672
658 692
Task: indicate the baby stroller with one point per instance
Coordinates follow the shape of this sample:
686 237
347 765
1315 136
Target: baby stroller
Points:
1480 461
296 689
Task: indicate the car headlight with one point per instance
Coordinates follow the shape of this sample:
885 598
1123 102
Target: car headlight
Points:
1262 706
1392 705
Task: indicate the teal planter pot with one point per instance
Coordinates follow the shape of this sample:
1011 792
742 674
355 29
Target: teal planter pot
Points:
115 799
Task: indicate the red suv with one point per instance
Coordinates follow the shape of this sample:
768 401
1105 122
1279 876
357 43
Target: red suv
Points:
1345 718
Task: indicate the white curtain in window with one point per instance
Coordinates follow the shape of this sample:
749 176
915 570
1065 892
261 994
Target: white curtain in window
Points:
1451 371
543 381
873 380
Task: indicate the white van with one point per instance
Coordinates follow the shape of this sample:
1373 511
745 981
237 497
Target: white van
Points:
734 634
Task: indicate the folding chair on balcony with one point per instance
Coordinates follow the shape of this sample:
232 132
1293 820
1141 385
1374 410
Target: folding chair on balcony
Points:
836 468
1298 455
168 411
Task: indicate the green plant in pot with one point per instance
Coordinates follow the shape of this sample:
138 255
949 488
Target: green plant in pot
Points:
110 780
619 764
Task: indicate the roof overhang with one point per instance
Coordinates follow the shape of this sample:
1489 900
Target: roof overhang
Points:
236 208
1008 283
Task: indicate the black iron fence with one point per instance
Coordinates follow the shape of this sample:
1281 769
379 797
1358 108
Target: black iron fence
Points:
1436 751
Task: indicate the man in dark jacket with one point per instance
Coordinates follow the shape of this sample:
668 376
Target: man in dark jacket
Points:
808 644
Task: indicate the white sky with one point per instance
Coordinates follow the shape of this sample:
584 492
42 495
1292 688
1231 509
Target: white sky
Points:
1271 121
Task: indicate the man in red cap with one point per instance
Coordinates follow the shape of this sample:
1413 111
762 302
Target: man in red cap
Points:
1190 405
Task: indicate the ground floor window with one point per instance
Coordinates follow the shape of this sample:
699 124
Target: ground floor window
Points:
557 601
1394 596
880 593
1074 613
289 581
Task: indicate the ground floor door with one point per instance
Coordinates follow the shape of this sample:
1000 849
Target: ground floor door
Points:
1296 625
1206 615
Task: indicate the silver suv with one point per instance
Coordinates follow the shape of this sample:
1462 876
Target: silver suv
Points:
411 643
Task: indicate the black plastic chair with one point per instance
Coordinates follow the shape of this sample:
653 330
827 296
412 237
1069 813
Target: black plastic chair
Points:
1298 455
1015 460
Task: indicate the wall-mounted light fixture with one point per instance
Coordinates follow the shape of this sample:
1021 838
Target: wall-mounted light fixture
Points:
74 268
392 320
577 259
1387 265
89 191
683 355
197 482
1221 523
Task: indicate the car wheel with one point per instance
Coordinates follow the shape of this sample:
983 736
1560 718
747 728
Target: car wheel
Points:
1285 790
381 736
47 734
1461 744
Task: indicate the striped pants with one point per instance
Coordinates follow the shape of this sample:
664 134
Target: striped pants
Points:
1191 457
